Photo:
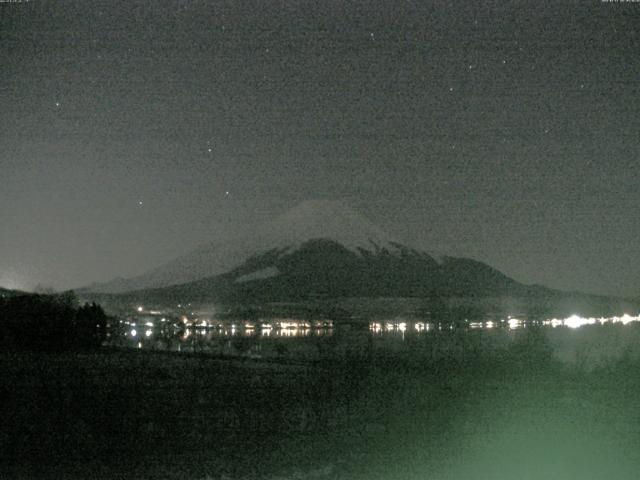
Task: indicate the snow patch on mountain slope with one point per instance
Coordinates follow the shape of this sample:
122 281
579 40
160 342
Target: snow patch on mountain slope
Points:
258 275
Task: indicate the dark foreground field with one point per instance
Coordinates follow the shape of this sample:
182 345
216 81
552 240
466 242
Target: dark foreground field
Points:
512 413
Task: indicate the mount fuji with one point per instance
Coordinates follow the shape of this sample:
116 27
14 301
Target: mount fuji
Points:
319 248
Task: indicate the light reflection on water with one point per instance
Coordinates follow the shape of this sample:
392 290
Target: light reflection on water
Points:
258 339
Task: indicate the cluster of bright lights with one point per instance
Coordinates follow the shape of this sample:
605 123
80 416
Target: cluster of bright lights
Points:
395 326
267 331
514 323
575 321
293 332
288 327
134 332
293 324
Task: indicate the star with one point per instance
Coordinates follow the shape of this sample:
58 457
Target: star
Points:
57 104
226 193
140 202
209 150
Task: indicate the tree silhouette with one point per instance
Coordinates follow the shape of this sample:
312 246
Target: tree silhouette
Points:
50 322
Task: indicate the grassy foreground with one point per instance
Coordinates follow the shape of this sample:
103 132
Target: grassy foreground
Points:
514 414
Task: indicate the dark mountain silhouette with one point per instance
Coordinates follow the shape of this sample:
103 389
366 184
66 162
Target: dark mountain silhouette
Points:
323 269
322 250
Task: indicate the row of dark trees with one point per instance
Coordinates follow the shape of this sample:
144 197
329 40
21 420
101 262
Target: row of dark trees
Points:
50 323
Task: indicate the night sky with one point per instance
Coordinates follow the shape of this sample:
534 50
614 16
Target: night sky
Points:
133 131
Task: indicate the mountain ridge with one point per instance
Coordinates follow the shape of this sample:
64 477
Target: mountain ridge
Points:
314 219
321 251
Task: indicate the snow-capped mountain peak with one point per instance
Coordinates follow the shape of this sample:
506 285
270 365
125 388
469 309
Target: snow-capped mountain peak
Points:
310 220
324 219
